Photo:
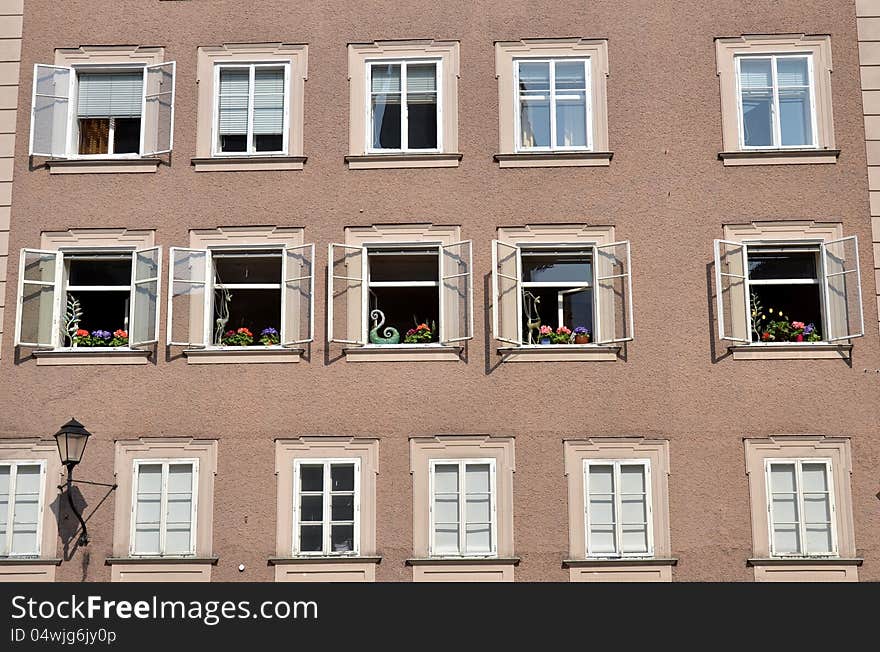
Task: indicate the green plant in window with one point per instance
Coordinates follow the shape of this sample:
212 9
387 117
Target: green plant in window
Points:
72 317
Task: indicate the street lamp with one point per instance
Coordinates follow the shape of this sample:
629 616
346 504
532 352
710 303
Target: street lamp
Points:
71 440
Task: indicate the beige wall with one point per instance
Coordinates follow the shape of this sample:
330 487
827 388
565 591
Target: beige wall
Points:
665 190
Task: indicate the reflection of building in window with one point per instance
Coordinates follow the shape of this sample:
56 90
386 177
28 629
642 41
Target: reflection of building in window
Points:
403 105
403 284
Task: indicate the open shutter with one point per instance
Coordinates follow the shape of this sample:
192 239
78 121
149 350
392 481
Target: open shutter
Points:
158 112
145 288
506 293
843 289
50 110
345 292
614 321
37 323
457 292
731 291
298 295
187 297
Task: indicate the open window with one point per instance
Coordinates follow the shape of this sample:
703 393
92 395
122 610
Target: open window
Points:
100 298
102 111
799 291
392 294
561 294
241 297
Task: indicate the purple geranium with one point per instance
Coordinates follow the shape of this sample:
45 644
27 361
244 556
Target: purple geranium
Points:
101 335
809 328
269 331
581 330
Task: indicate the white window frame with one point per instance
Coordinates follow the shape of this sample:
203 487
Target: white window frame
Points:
216 151
327 494
6 545
829 479
462 506
404 109
554 96
163 506
774 110
649 515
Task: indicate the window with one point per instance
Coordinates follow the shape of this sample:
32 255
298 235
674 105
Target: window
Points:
404 106
801 507
88 298
102 111
21 508
618 502
326 507
776 101
568 286
267 290
164 507
463 508
252 109
383 291
554 104
796 291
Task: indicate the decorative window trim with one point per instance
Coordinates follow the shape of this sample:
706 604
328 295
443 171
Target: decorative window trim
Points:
506 53
359 54
358 566
833 567
654 567
164 449
209 57
726 51
42 567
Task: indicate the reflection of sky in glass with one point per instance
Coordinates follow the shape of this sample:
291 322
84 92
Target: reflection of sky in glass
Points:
566 268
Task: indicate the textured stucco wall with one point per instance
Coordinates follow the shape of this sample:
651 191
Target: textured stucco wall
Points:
665 191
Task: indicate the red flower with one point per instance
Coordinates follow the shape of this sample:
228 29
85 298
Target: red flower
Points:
82 333
120 333
228 333
245 331
766 336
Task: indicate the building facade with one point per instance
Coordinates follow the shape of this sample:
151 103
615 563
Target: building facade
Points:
508 292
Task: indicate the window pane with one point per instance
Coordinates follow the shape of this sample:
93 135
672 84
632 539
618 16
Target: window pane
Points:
755 73
782 265
312 539
148 508
577 308
446 539
27 481
477 478
478 509
445 478
601 479
814 477
421 100
757 118
311 477
146 539
632 478
634 539
24 540
782 478
94 270
479 538
180 478
632 510
535 121
261 267
342 508
403 265
792 71
26 516
342 538
311 508
817 509
446 508
789 303
571 75
818 539
785 508
557 267
786 538
234 90
268 101
149 478
534 76
177 539
126 135
385 106
795 117
602 539
342 477
4 503
601 509
571 120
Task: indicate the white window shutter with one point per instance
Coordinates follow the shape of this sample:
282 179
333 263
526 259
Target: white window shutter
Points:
732 291
506 293
50 110
614 293
145 289
345 292
844 318
157 131
38 319
298 295
187 297
457 292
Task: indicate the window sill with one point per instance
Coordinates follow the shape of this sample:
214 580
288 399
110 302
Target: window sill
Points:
323 559
96 356
161 569
453 561
779 156
553 159
559 353
398 161
210 561
248 163
403 353
243 355
325 569
103 166
28 569
791 351
799 561
622 569
619 561
805 569
463 569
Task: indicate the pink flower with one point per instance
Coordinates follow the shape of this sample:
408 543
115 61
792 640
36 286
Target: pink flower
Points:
797 324
546 330
562 330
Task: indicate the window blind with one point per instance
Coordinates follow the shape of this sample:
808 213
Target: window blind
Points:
268 100
234 89
755 74
106 95
792 72
385 78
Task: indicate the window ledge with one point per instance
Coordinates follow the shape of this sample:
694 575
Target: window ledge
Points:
553 159
95 356
462 561
804 561
395 161
102 166
779 156
245 355
211 561
559 353
805 351
29 561
618 561
323 559
248 163
403 353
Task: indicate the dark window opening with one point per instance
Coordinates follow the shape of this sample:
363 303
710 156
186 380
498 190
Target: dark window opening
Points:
104 311
577 308
255 310
268 142
94 270
257 268
403 265
233 143
422 125
405 308
791 303
127 136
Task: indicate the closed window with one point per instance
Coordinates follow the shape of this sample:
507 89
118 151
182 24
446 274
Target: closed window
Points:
102 111
326 507
164 509
776 101
252 109
553 99
21 508
88 299
463 499
618 508
404 106
801 507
